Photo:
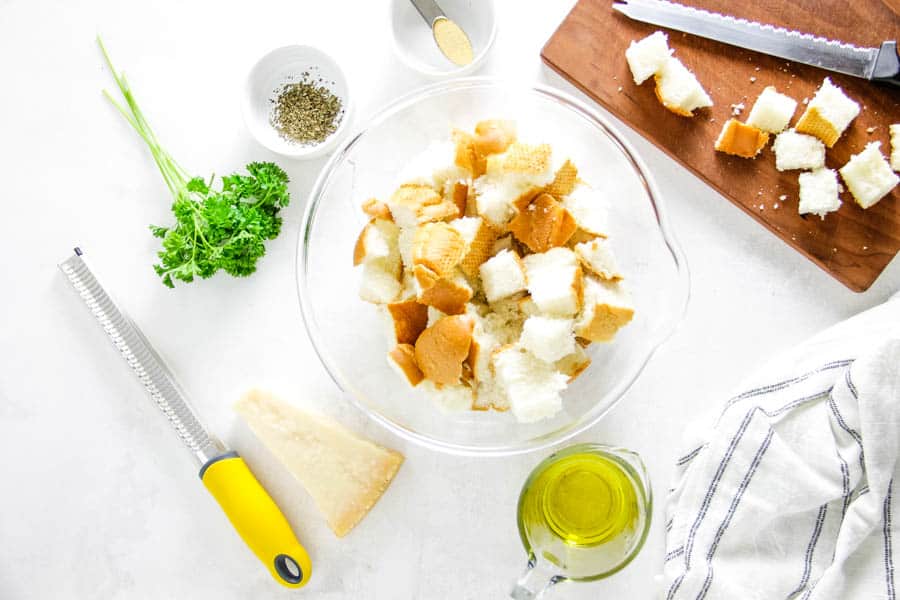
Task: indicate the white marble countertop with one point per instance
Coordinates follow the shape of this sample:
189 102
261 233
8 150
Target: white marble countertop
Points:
98 499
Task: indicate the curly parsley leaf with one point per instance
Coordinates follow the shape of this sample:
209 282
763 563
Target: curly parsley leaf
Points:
214 229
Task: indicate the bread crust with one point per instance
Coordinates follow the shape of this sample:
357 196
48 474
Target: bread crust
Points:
409 318
543 224
442 348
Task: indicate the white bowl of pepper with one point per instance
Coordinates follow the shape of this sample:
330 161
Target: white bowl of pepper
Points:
296 102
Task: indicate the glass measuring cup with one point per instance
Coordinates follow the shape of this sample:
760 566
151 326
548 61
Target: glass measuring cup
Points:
584 513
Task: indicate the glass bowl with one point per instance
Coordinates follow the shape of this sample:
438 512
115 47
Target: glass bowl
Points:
350 336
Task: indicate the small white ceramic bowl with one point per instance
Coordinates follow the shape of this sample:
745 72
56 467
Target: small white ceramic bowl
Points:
284 65
414 42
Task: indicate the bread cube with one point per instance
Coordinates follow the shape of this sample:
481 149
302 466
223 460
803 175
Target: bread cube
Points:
828 114
532 385
439 247
589 209
408 320
442 348
433 167
548 338
413 204
554 281
377 240
495 198
772 111
895 146
819 192
647 56
543 224
798 151
524 164
607 308
447 294
574 364
869 176
502 276
678 89
403 360
449 398
564 179
597 258
741 140
380 283
478 239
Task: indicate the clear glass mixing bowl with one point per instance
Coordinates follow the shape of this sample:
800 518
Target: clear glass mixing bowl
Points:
350 336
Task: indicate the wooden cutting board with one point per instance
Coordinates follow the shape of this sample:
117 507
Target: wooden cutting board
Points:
853 245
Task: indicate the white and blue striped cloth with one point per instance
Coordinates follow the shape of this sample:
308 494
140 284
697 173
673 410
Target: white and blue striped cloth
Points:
787 494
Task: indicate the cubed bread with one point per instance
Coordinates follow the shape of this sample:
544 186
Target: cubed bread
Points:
525 164
647 56
442 348
678 89
543 224
742 140
439 247
869 176
895 146
828 114
589 209
449 398
478 238
380 283
377 209
798 151
493 136
555 281
502 276
490 395
564 180
607 308
819 192
532 385
447 294
495 199
574 364
377 240
772 111
403 360
411 205
484 342
405 244
433 167
597 258
548 338
408 320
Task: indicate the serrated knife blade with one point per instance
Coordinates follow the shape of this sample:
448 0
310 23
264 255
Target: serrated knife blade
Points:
877 64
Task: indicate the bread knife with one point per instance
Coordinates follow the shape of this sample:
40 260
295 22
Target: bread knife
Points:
248 506
875 64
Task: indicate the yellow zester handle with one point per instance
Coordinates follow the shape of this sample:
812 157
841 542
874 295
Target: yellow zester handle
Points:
257 519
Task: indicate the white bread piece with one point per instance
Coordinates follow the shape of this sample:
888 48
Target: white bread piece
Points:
377 209
411 205
484 342
742 140
573 365
488 394
647 56
798 151
408 287
442 348
548 338
524 164
344 473
819 192
590 210
405 245
895 146
377 240
678 89
433 167
828 114
869 176
448 294
380 282
403 360
494 198
607 308
478 239
555 281
439 247
772 111
449 398
504 321
502 276
532 385
596 257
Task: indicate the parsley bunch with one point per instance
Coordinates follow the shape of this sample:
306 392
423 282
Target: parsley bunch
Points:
214 229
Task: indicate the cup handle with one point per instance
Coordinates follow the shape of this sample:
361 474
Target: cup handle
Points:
535 581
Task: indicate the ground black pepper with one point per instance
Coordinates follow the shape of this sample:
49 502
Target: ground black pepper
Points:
306 113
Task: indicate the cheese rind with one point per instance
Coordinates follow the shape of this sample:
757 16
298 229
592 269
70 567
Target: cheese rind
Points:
345 474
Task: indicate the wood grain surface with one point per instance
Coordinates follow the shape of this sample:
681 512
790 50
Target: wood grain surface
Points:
853 245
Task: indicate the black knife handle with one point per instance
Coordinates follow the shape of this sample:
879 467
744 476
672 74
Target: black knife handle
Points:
887 65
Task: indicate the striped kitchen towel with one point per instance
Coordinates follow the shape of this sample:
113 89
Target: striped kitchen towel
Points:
788 493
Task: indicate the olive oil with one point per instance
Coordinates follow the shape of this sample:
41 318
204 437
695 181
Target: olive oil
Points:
586 510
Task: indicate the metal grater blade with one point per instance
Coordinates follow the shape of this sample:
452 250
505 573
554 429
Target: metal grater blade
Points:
150 369
768 39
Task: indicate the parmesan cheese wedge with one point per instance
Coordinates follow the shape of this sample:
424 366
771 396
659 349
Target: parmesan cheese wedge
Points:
345 474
